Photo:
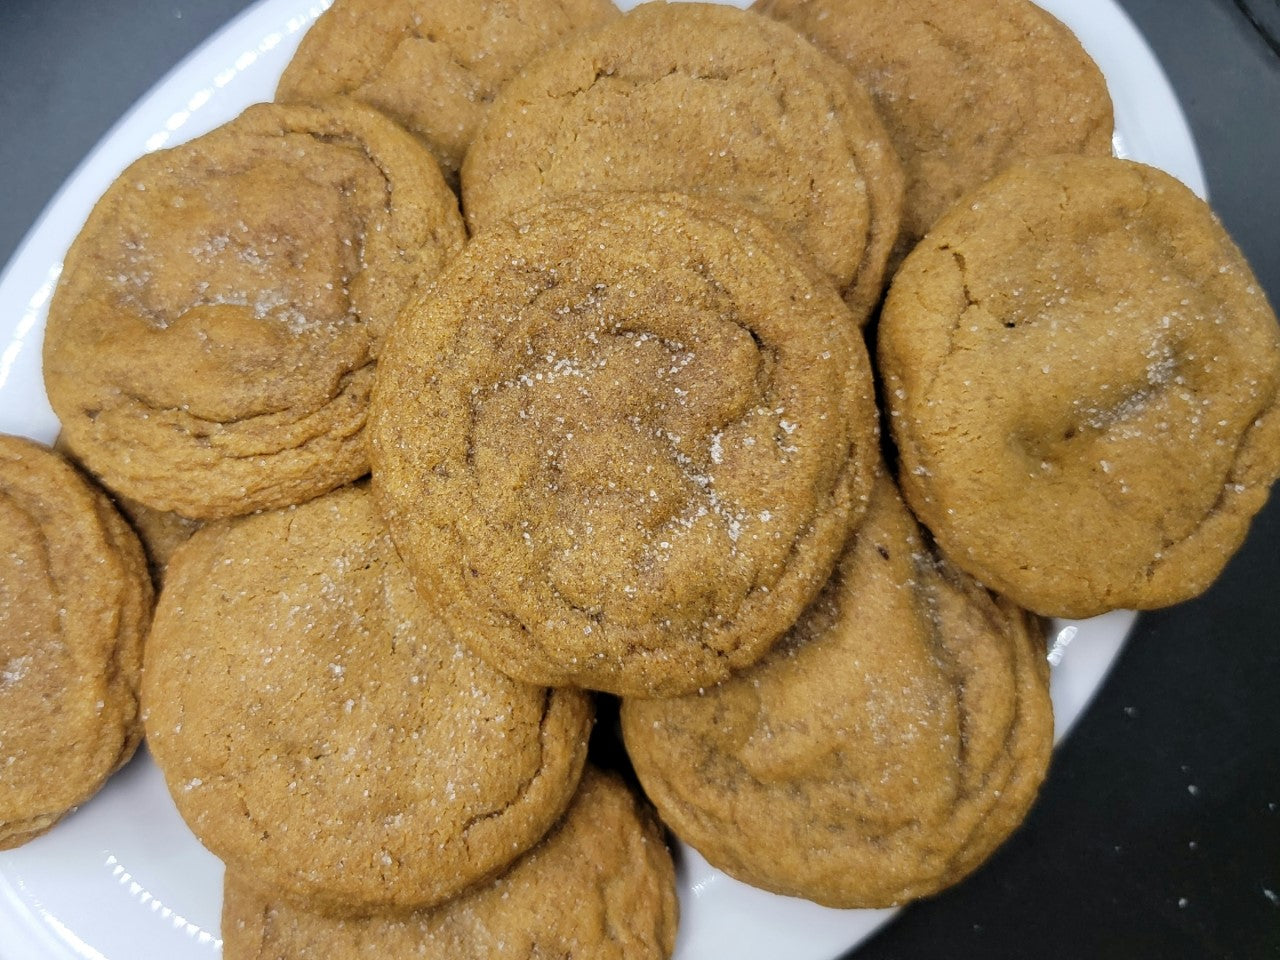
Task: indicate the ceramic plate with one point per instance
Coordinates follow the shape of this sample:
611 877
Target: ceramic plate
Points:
123 878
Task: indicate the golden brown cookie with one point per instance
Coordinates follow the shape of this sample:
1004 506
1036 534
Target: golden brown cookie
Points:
622 442
708 100
1082 376
965 88
75 601
880 752
433 66
322 732
600 886
210 346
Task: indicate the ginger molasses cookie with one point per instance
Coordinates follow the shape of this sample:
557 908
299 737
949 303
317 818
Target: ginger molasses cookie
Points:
622 442
75 601
965 88
1082 374
322 732
601 885
708 100
880 752
433 66
211 344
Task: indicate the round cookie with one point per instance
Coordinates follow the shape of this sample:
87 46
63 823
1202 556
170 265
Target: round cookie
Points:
433 66
1082 376
601 885
210 346
75 601
880 752
964 88
623 440
707 100
322 732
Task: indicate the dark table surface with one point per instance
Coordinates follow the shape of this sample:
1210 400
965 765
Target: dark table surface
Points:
1158 832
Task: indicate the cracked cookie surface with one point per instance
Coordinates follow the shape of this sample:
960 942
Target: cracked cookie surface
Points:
211 344
880 752
601 885
433 66
321 731
75 600
1082 375
622 440
706 100
964 88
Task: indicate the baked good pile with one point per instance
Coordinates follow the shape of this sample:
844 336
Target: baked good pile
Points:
774 371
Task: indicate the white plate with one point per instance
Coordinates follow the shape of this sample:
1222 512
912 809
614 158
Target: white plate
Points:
123 878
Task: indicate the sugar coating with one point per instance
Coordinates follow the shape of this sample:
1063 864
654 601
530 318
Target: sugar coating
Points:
965 88
1081 373
707 100
601 885
622 441
75 601
211 343
880 752
322 732
433 66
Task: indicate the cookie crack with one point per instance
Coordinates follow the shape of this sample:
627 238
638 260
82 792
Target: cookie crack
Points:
962 268
1229 486
357 144
430 37
526 785
632 84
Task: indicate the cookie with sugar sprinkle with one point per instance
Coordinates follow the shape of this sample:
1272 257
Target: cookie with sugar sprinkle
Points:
965 88
880 752
1081 373
75 601
708 100
622 440
433 66
601 885
212 340
323 733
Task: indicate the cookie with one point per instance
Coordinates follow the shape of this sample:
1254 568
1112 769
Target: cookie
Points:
622 442
880 752
322 732
1082 377
964 88
708 100
601 885
433 66
211 344
75 601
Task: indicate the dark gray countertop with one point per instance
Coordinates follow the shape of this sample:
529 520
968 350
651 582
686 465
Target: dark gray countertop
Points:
1158 833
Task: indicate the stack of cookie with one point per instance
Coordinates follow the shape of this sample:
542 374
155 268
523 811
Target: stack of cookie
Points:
621 421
